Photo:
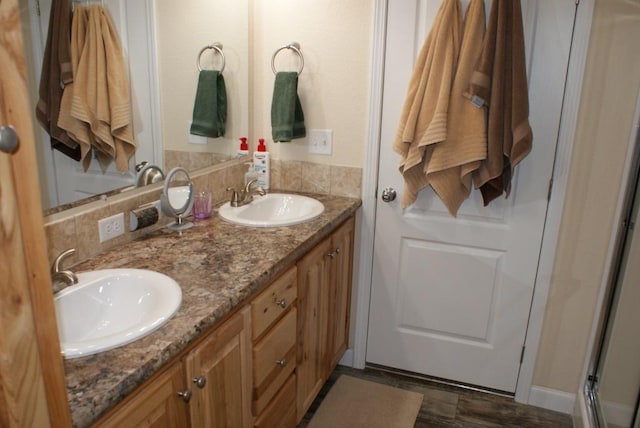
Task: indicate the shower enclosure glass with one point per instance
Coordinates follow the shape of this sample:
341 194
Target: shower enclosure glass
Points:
613 387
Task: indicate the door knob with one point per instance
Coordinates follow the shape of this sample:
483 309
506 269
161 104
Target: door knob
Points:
8 139
388 194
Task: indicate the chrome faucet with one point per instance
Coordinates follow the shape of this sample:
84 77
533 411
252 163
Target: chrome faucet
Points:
63 277
245 196
147 173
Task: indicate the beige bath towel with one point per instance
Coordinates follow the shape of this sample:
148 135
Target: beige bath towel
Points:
500 83
424 116
101 93
78 131
453 161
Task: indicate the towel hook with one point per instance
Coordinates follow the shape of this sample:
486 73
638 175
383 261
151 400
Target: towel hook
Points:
216 46
294 46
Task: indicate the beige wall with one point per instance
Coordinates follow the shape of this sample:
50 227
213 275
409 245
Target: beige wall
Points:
183 29
335 38
605 124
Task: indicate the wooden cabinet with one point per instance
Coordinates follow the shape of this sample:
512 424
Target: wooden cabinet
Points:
264 366
274 317
313 277
210 388
340 292
219 373
281 412
324 289
156 405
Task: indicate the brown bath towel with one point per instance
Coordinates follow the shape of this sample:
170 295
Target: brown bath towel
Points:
56 72
500 84
454 160
424 116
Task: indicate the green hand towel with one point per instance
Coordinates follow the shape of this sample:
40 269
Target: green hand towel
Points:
287 118
210 108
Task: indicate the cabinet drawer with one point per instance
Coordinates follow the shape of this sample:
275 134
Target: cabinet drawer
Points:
281 412
274 359
273 302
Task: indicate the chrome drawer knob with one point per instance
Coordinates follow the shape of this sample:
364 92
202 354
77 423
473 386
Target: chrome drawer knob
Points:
282 303
200 381
281 362
334 253
186 395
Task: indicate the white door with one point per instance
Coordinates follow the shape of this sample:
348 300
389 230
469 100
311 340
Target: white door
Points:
134 24
451 296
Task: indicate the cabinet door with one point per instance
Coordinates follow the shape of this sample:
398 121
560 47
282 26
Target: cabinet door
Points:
32 382
340 292
157 405
313 296
219 372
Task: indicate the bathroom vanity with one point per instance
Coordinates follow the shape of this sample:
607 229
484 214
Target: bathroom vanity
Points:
263 322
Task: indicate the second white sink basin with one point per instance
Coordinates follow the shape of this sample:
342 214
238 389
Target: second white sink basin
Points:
112 307
273 209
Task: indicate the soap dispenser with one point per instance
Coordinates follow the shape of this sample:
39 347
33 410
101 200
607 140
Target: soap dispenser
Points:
244 147
250 174
261 164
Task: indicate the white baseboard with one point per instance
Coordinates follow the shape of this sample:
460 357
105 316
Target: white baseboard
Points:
347 358
552 399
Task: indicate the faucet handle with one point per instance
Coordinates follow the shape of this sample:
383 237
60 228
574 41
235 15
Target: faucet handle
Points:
235 198
56 264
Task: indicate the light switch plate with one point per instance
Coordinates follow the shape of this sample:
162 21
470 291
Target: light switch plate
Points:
321 141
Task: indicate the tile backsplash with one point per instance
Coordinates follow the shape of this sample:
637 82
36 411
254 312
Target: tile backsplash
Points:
78 227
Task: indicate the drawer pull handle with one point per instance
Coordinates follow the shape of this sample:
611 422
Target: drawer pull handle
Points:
334 253
281 362
200 381
186 395
282 303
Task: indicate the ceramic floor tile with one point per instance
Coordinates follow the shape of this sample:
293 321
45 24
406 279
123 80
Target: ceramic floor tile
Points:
448 406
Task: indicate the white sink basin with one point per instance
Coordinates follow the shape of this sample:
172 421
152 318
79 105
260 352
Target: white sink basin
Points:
273 209
113 307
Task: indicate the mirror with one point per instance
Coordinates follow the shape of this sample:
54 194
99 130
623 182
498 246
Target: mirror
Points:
161 42
176 200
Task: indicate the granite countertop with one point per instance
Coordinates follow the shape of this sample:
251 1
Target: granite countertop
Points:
218 266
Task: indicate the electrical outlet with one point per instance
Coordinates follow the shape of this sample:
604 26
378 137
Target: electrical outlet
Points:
111 227
320 141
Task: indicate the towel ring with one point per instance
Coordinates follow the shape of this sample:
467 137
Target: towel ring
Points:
294 46
217 46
